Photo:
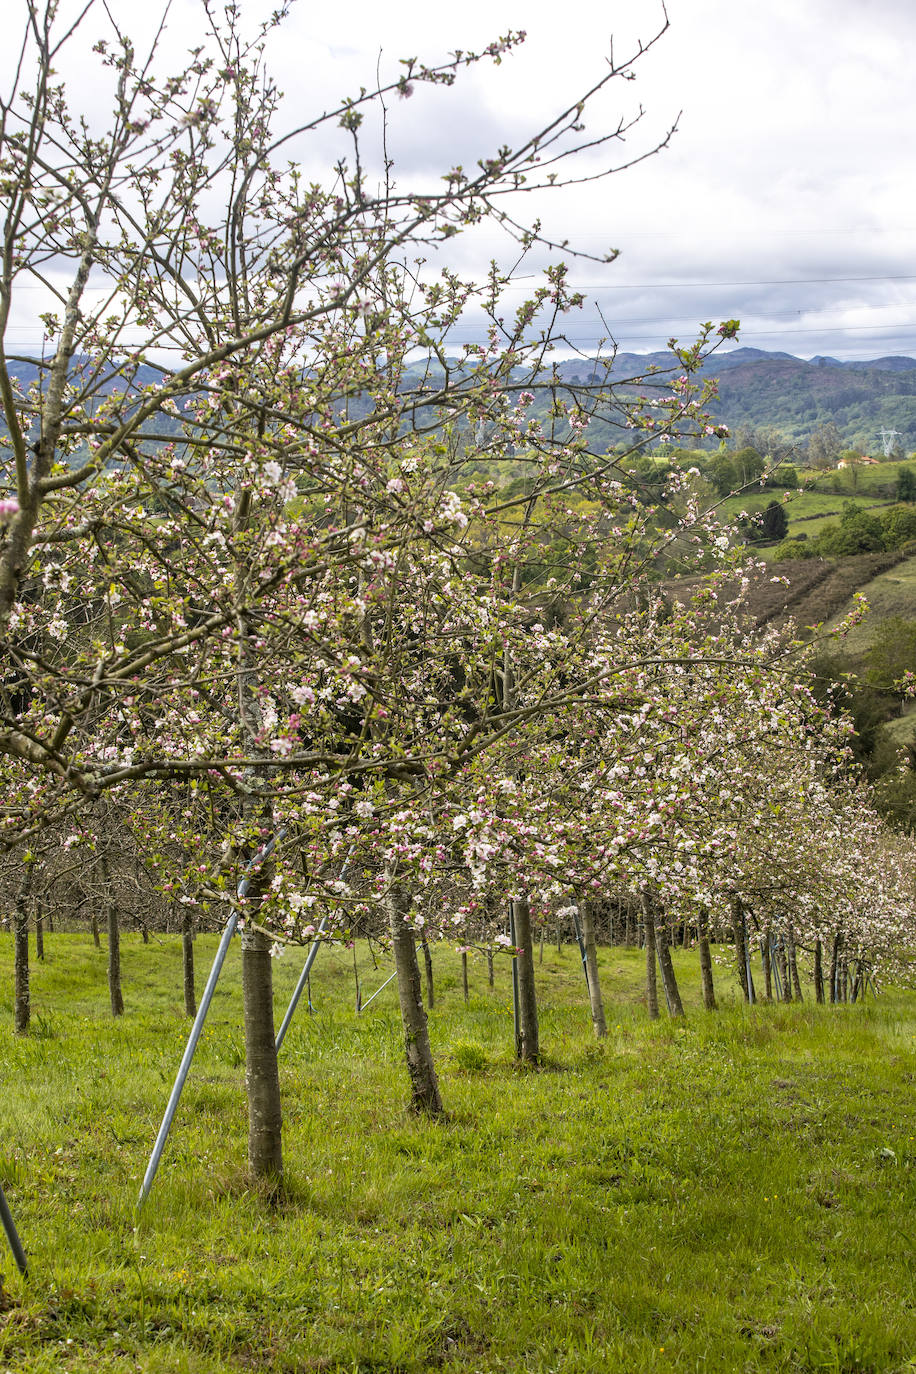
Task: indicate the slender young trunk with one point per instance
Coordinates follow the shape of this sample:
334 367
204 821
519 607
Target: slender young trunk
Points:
144 931
187 961
464 976
424 1085
527 1043
651 975
39 930
792 959
115 994
784 971
834 963
591 968
527 1048
262 1079
765 945
818 972
22 1001
94 925
428 966
740 946
490 978
541 947
709 991
669 978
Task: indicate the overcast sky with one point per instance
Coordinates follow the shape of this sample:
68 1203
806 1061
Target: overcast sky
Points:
787 196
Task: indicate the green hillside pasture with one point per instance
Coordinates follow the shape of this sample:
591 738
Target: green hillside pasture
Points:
807 511
892 593
800 505
853 484
735 1193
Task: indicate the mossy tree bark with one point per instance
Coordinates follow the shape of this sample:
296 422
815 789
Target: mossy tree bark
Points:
648 918
262 1078
834 966
765 948
424 1084
187 961
739 934
115 991
428 968
818 972
669 978
792 958
527 1046
706 979
22 998
596 1001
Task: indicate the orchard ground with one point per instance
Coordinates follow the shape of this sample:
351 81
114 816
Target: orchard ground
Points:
736 1193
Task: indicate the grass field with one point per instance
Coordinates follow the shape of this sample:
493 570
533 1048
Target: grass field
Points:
892 593
801 505
807 511
864 481
732 1194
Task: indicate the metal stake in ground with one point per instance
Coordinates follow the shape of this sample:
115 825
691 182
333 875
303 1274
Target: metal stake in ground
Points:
303 979
364 1005
304 975
200 1018
581 942
12 1235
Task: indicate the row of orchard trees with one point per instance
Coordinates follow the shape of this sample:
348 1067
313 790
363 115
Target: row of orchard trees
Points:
267 585
695 774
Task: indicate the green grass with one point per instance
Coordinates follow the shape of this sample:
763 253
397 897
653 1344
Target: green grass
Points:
800 506
807 511
890 594
708 1196
864 481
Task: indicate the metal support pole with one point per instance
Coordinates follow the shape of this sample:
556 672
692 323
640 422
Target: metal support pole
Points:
303 979
200 1018
12 1235
774 968
515 1003
581 943
751 995
310 959
365 1004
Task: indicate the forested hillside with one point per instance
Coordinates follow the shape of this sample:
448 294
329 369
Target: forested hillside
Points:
795 395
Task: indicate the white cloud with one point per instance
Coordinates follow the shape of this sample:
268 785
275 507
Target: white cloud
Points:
794 156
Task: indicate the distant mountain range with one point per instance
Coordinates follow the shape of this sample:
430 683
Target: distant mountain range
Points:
756 387
797 395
